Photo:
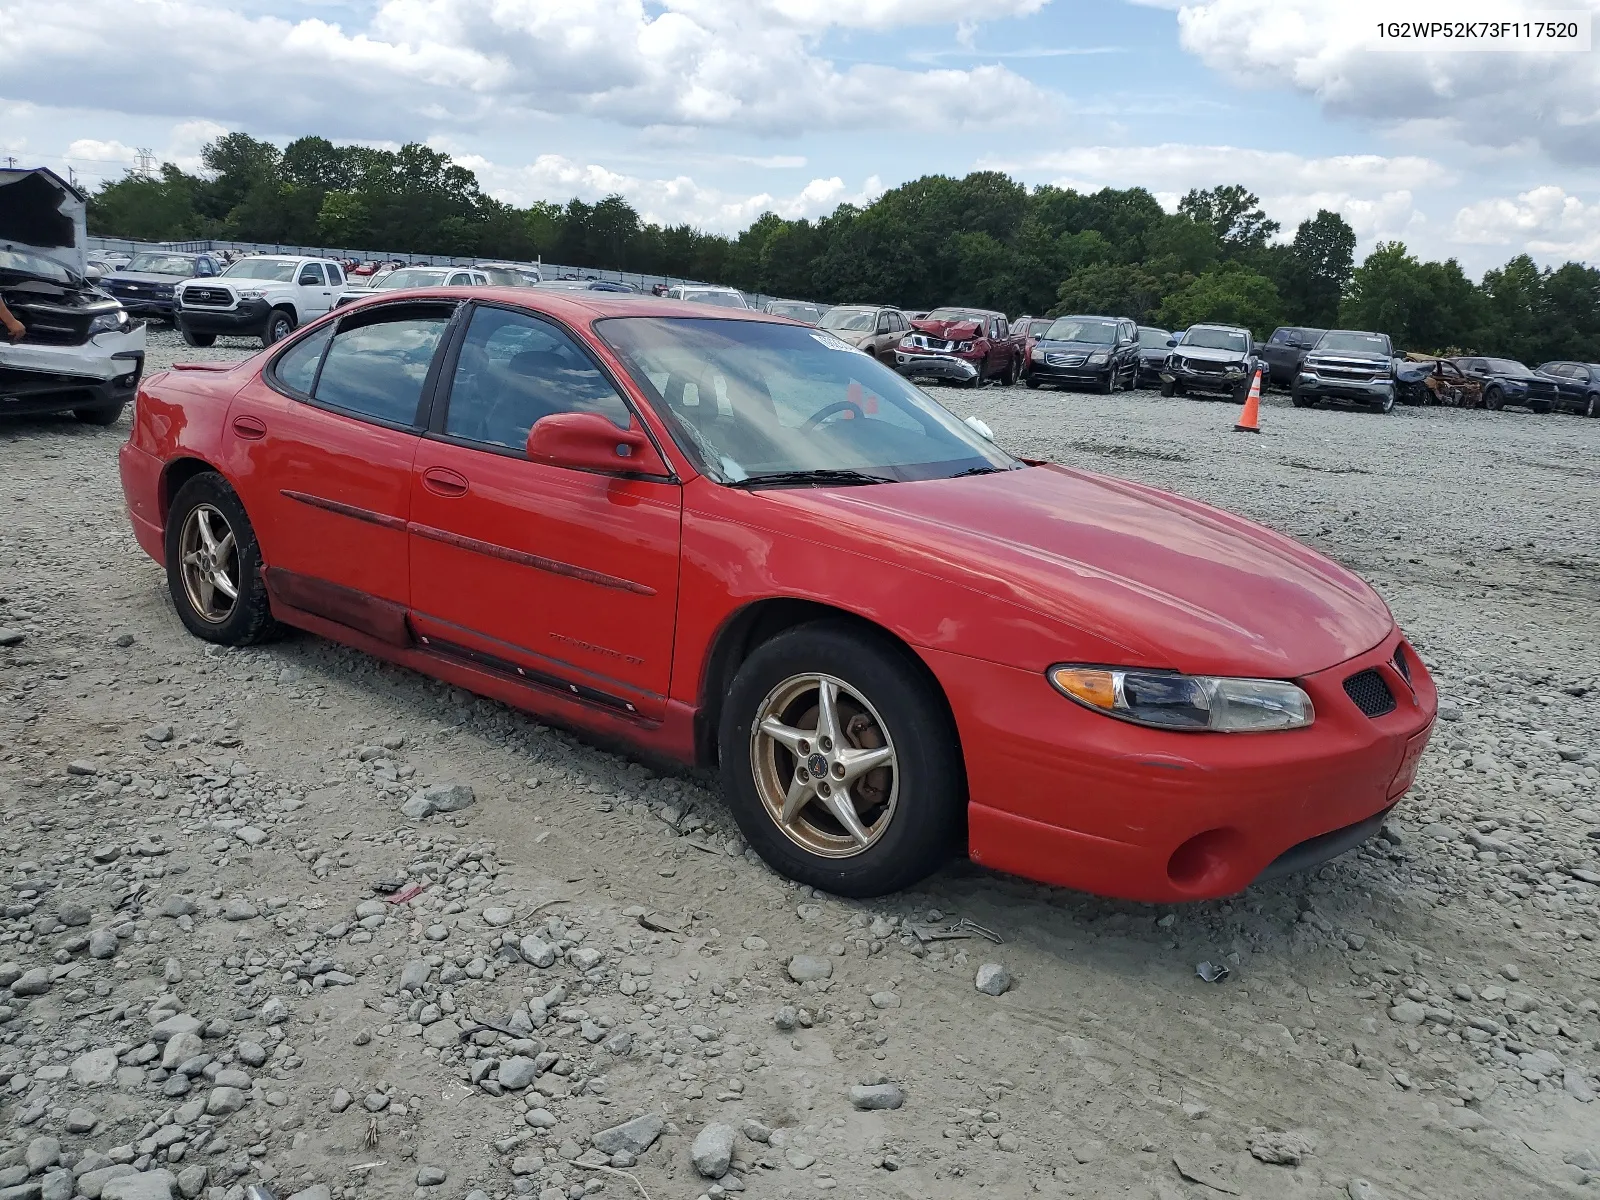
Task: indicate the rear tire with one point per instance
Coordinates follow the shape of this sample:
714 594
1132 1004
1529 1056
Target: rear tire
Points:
198 340
1013 372
107 414
208 501
1591 406
913 816
1494 399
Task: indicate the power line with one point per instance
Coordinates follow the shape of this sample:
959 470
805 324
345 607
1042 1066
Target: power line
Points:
146 161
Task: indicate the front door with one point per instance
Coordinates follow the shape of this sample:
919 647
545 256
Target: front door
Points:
322 450
566 578
316 294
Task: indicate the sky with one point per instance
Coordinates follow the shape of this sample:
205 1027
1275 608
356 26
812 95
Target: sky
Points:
714 111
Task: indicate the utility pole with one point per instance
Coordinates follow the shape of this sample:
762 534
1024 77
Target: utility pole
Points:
11 161
146 158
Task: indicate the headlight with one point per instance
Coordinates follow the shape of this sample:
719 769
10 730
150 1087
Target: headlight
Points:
1166 700
907 342
1099 360
1038 355
1234 371
963 346
108 322
251 293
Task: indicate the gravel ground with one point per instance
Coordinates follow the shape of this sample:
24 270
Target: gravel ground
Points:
229 958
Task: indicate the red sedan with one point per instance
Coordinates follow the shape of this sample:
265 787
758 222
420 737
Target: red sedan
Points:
727 538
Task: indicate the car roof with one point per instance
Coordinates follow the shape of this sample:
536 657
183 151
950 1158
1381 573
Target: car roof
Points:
577 306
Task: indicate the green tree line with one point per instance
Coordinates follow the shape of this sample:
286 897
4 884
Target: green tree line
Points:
985 240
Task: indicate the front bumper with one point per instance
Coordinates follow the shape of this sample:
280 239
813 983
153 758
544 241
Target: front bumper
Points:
43 379
1218 383
1084 374
248 317
1066 796
1361 391
935 366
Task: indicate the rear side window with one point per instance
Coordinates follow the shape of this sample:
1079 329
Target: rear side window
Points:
377 369
296 367
335 276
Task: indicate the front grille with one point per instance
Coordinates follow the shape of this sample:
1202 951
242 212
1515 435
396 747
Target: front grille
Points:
1538 387
1370 693
209 297
1347 374
40 334
1064 360
1402 663
1205 366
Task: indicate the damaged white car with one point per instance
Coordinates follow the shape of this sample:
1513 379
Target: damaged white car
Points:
80 352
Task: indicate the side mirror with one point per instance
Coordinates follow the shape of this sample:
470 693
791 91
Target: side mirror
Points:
590 442
93 274
1172 341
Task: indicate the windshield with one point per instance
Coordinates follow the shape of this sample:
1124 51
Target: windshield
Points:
1354 343
720 299
277 270
809 313
751 398
1094 330
1149 337
162 264
37 265
1506 366
1217 339
957 314
503 276
415 277
851 320
1038 327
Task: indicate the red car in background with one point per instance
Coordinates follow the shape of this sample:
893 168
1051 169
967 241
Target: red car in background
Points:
1030 330
960 345
728 539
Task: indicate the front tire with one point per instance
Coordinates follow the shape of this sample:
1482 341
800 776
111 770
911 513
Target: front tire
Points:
107 414
212 551
280 324
1386 405
1591 406
839 762
1494 399
1301 400
198 340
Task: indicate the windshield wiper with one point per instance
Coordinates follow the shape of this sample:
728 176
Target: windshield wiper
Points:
978 471
820 476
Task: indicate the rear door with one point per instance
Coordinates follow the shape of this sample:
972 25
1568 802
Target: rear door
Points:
562 577
321 450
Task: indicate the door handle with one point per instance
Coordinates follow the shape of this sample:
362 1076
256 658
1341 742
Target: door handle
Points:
249 427
442 481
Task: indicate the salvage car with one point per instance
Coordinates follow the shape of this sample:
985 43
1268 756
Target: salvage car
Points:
960 345
1422 379
1285 350
1101 352
1504 381
79 352
1348 364
146 285
733 541
1576 386
796 310
1154 345
869 328
265 296
1210 360
1030 330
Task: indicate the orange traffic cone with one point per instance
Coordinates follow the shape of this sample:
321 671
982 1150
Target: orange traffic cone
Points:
1250 418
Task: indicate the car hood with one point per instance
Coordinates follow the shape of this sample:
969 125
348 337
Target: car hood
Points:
144 277
1347 358
1174 582
1210 354
955 331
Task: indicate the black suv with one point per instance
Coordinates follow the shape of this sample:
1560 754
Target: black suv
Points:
1506 381
1102 352
1348 364
1577 386
1285 350
1211 359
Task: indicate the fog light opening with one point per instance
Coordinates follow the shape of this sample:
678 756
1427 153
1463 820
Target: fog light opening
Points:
1206 862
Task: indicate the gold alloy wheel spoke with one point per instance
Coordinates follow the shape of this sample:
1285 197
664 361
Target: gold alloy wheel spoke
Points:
824 766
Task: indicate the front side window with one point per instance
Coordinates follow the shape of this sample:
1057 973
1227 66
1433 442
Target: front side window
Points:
513 369
296 367
376 367
749 399
311 276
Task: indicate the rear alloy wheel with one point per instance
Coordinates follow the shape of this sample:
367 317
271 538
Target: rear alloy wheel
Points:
1494 399
214 565
839 763
1591 405
280 324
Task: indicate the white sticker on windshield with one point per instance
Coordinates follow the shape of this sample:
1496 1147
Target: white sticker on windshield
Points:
833 343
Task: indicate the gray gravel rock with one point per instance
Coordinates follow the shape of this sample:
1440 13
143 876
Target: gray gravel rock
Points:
809 968
94 1068
993 979
713 1150
146 1185
516 1072
414 974
438 798
33 982
869 1096
633 1137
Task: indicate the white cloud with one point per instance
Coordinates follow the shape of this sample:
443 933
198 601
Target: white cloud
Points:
1546 221
750 67
1547 100
673 201
1375 193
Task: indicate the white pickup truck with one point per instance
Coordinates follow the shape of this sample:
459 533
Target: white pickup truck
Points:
265 296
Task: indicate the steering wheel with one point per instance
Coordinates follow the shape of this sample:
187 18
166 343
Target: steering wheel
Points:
838 406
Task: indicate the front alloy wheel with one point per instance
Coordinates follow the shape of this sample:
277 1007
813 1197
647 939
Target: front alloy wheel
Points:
824 765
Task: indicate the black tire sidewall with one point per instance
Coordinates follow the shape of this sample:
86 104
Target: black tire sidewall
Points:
929 820
251 619
277 315
101 414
